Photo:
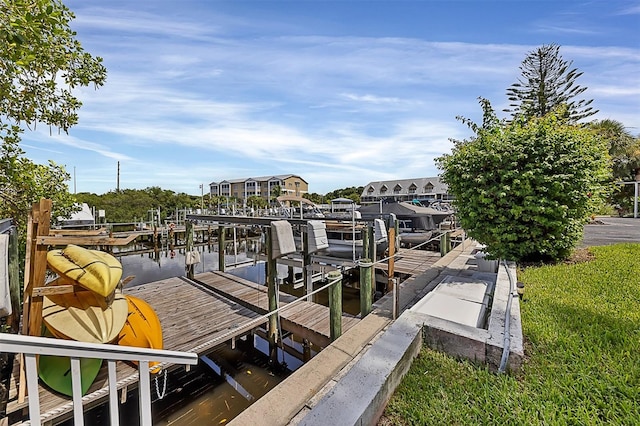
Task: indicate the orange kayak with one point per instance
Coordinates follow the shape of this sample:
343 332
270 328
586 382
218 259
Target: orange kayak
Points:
142 328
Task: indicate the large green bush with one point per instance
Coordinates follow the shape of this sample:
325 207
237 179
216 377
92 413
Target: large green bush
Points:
524 188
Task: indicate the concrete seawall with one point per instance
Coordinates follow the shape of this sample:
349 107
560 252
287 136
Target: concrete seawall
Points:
351 380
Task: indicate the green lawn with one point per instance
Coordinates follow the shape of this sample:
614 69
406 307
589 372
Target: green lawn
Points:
581 324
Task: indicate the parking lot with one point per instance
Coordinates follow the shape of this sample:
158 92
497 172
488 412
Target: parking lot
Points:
612 230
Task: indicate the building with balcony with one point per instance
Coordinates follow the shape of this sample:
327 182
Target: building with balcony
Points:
262 186
422 189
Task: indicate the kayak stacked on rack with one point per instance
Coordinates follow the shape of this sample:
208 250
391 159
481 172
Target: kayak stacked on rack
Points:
96 311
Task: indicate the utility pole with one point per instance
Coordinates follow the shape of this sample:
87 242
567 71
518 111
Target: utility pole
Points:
201 198
118 179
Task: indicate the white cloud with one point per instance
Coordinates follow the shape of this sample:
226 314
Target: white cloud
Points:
187 100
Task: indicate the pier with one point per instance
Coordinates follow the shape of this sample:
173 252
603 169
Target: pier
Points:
200 312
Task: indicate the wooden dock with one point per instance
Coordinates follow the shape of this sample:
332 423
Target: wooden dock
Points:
195 317
305 319
412 262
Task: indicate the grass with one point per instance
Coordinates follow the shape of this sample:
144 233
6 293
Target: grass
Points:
581 323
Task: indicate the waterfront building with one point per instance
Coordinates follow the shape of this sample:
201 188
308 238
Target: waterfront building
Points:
262 186
423 189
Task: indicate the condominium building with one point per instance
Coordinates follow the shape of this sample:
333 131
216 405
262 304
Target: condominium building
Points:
262 186
422 189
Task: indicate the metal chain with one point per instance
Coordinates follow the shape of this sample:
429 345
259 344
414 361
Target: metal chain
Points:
164 387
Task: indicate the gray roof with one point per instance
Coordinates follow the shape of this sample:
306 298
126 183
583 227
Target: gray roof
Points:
372 189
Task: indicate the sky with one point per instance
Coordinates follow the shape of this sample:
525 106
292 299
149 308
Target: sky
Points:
341 93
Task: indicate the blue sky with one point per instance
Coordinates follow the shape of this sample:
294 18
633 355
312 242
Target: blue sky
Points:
339 92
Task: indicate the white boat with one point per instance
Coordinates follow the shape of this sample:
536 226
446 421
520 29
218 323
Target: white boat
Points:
343 225
345 238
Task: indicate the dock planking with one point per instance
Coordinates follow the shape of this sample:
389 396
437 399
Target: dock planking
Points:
195 317
305 319
412 262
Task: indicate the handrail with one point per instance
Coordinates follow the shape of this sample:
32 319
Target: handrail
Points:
30 346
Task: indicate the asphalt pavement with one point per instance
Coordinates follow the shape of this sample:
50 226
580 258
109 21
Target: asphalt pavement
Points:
611 230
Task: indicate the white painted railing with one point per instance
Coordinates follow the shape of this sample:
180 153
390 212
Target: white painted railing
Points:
31 346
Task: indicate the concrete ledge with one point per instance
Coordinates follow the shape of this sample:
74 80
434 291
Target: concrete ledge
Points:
477 344
362 393
457 340
283 402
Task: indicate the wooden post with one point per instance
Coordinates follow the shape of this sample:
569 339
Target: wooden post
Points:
335 305
221 245
392 252
272 294
38 265
189 247
372 243
307 273
445 243
35 268
365 288
306 350
366 254
155 236
14 282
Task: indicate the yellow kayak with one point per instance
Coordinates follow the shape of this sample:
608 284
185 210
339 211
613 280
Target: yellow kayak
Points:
142 328
85 316
94 270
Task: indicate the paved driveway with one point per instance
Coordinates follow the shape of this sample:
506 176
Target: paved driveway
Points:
614 230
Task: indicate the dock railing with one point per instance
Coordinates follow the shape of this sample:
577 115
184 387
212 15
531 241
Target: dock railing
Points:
31 346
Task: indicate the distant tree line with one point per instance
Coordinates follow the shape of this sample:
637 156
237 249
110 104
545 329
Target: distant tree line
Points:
352 193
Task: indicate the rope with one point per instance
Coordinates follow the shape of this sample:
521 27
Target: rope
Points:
164 387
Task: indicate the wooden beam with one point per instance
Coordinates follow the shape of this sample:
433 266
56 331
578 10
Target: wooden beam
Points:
81 232
56 289
49 240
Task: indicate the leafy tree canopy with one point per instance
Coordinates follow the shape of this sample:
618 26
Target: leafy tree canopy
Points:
525 188
547 81
40 63
352 192
128 205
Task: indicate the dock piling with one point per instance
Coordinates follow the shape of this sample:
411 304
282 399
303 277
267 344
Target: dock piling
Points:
335 305
366 271
221 248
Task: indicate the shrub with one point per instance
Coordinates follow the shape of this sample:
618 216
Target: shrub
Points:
525 188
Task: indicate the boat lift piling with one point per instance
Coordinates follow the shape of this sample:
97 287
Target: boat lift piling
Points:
221 243
272 295
189 247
